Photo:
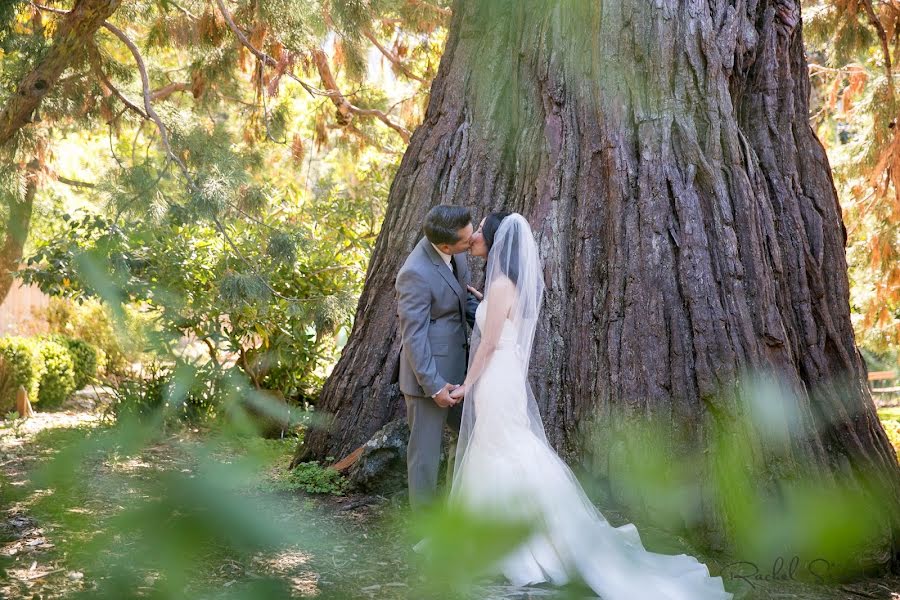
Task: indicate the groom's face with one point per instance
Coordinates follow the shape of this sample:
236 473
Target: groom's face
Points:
464 237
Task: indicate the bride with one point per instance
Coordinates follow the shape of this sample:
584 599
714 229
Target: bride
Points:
505 466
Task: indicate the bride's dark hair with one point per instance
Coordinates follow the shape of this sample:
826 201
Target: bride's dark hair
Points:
489 231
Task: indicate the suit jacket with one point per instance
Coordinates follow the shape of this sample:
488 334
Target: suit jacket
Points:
433 308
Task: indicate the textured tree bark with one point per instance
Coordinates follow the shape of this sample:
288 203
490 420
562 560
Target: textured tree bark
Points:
71 41
685 213
18 224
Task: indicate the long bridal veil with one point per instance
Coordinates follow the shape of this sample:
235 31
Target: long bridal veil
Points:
513 256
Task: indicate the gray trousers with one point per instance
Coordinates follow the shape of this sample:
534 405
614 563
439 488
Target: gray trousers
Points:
423 454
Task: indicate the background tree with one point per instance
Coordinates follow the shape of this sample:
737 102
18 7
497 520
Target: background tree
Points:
690 231
167 79
853 71
235 164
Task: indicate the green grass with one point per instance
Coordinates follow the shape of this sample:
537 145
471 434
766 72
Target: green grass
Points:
890 413
890 419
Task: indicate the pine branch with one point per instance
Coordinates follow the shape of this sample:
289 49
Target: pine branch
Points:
148 106
259 54
392 57
183 10
444 11
169 89
885 49
331 90
350 128
115 91
75 182
344 107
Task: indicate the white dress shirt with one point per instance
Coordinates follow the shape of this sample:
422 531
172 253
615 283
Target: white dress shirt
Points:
446 257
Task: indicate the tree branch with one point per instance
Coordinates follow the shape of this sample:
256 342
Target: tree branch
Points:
885 49
351 128
77 26
331 90
265 58
115 91
438 9
148 106
392 57
169 89
75 182
344 107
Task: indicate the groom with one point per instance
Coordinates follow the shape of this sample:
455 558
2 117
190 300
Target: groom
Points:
434 307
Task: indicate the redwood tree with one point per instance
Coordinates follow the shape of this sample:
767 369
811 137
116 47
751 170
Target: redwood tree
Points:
685 213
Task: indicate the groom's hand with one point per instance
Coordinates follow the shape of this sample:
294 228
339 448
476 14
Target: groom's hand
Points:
443 399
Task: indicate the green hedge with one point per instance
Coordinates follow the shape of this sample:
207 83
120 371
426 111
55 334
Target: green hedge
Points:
18 367
50 369
86 359
57 379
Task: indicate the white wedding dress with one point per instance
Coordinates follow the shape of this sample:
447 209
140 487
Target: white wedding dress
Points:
507 468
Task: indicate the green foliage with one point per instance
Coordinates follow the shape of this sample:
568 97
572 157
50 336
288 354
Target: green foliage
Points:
769 504
18 367
186 393
890 420
86 359
14 420
854 107
118 342
57 373
312 478
257 249
159 531
282 327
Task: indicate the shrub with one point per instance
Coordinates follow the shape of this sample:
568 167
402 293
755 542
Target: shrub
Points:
85 359
141 397
18 367
198 390
92 322
57 373
315 479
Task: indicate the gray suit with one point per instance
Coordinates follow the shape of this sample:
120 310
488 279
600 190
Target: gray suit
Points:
433 308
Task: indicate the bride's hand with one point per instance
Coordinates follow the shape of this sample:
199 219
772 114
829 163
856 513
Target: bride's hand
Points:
458 393
475 292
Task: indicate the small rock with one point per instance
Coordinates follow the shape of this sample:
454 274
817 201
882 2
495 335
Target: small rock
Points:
381 467
75 575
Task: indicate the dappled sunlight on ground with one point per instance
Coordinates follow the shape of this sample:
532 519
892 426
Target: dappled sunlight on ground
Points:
12 437
349 546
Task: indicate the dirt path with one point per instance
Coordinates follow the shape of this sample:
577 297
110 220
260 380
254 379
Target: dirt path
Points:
355 548
36 565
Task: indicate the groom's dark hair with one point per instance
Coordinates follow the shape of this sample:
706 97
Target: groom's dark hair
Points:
443 222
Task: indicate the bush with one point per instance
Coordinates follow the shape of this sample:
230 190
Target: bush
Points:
18 367
315 479
57 373
141 397
85 359
199 392
92 322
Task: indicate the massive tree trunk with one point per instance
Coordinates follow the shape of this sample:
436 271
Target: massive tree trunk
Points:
687 220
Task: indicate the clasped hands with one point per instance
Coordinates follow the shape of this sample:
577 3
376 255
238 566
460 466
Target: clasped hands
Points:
450 395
